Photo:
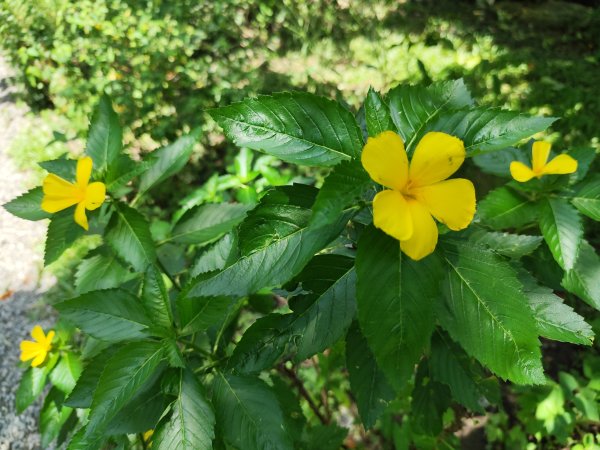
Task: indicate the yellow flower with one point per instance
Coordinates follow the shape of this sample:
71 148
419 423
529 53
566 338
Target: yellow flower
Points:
560 165
147 436
61 194
39 349
418 192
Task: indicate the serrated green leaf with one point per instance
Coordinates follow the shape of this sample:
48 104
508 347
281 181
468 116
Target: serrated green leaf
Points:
32 383
311 330
128 233
587 198
369 385
126 372
167 161
61 234
122 171
66 372
323 437
199 314
498 162
100 272
110 315
377 114
105 137
141 413
52 417
192 421
585 156
413 108
28 206
248 414
584 278
507 244
394 319
63 166
82 394
222 254
562 230
155 298
207 223
430 400
555 320
504 208
485 129
297 127
343 187
495 329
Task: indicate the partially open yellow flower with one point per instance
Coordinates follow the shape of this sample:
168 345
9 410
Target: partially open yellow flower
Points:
560 165
418 192
39 349
61 194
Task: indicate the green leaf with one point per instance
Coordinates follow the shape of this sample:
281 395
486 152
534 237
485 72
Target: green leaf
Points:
126 372
28 206
554 319
413 108
129 235
167 161
507 244
199 314
32 383
52 417
155 298
504 208
66 372
392 314
285 248
369 385
103 271
248 414
430 400
297 127
122 171
222 254
587 198
324 437
495 329
377 114
62 233
485 129
192 421
498 162
82 394
208 222
105 138
110 315
304 333
63 167
585 156
343 187
584 278
562 230
295 421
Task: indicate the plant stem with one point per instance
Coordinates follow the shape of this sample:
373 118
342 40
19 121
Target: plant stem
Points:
302 391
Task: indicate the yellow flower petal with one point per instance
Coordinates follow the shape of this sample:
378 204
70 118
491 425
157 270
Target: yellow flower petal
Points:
384 158
521 172
49 338
39 359
80 217
94 195
391 214
437 156
562 164
540 152
29 350
425 234
59 194
37 333
451 201
84 171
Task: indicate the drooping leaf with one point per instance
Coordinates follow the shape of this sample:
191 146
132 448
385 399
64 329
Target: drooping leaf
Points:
28 206
192 421
562 230
395 303
303 333
66 372
485 129
52 417
248 414
111 315
430 399
297 127
507 244
495 329
413 108
102 271
105 138
367 380
155 298
128 233
377 114
62 233
167 161
587 198
504 208
584 278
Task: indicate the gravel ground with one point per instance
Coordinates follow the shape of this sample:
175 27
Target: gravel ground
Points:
20 280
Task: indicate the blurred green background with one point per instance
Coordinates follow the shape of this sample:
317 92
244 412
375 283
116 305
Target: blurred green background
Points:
164 62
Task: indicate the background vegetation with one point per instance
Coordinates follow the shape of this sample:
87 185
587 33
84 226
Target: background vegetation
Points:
164 63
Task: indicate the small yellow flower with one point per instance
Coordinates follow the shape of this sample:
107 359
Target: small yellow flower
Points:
147 436
417 192
39 349
61 194
560 165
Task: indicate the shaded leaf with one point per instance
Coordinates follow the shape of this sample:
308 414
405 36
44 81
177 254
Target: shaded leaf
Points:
61 234
504 208
584 279
377 114
562 230
587 198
